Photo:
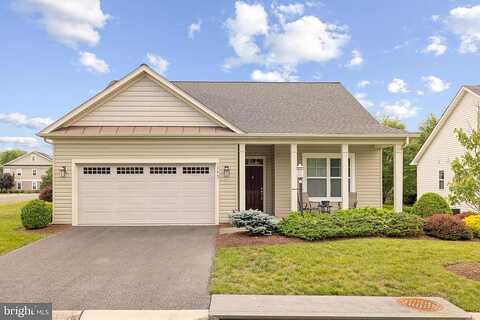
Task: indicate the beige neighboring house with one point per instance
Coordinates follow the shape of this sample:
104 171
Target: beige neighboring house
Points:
149 151
434 159
28 170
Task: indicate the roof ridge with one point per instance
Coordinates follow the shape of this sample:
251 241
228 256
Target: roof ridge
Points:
258 82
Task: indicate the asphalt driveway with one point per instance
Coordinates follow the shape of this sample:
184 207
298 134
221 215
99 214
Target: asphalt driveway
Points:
113 268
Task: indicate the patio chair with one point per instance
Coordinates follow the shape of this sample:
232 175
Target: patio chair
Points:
307 204
325 206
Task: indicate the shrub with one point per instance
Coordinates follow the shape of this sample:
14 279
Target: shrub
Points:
46 194
36 214
361 222
431 203
447 227
255 222
463 215
473 222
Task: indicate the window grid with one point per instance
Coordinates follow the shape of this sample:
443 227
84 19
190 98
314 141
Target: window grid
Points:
130 170
329 172
163 170
96 170
441 179
196 170
34 172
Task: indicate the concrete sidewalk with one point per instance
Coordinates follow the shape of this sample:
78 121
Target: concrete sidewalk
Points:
131 315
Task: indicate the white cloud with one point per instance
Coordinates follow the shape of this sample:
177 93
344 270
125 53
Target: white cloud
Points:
281 46
435 17
286 12
420 92
7 142
465 22
357 59
435 84
364 101
437 46
402 109
21 120
272 76
194 28
92 63
159 63
249 21
397 86
363 83
71 22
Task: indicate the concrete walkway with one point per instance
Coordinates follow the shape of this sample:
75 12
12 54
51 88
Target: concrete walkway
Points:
14 197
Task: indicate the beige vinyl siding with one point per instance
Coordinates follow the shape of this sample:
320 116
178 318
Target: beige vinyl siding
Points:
145 103
445 148
267 152
27 160
368 178
282 179
65 151
27 176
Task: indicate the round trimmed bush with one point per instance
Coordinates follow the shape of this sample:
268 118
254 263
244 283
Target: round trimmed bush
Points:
447 227
36 214
431 203
46 194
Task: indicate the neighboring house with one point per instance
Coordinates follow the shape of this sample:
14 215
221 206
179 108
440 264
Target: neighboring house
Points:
151 151
28 170
434 159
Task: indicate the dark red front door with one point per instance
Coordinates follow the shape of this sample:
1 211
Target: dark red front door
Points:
254 187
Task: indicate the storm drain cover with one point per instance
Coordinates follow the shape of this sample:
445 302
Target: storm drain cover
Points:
420 304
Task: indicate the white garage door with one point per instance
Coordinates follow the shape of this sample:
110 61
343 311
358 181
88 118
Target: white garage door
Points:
146 194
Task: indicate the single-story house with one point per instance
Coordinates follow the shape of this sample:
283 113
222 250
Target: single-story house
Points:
28 170
150 151
433 160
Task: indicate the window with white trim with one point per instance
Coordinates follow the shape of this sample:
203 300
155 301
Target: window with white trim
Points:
34 172
96 170
34 185
34 157
324 176
163 170
19 185
195 170
6 171
129 170
441 179
19 172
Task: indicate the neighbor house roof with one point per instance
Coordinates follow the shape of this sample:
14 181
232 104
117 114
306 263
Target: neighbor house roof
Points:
41 154
286 107
475 89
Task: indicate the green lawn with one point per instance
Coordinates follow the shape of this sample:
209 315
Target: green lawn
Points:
10 235
372 266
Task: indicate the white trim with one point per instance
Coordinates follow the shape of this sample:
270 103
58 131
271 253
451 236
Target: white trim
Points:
344 179
112 89
77 162
264 177
293 177
241 177
35 183
353 186
398 178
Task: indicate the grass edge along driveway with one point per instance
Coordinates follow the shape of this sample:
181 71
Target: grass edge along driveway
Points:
369 266
11 234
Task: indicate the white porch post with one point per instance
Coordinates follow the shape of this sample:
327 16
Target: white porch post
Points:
241 176
398 178
345 194
293 177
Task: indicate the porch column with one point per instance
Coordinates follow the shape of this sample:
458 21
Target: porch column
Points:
345 194
293 177
398 178
241 176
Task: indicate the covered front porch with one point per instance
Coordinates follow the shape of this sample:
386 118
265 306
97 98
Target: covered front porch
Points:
268 178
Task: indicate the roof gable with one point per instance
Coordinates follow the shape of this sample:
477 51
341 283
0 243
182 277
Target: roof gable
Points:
444 119
31 158
143 75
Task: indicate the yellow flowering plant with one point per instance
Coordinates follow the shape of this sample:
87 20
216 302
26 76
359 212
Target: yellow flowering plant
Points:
473 222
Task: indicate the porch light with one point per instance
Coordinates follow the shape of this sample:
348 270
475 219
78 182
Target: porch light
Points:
226 171
300 172
63 171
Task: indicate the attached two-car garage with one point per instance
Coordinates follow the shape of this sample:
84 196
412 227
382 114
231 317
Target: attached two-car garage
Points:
146 194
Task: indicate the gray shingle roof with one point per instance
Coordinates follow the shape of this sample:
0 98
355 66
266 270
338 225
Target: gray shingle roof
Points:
475 89
287 107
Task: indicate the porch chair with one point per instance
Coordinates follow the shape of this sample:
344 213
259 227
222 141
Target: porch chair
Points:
306 204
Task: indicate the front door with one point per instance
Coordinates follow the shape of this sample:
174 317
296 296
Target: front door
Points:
254 187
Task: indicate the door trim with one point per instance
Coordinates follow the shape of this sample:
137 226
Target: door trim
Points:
264 177
78 162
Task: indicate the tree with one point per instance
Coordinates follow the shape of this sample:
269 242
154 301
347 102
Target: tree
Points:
409 152
47 179
6 182
9 155
465 185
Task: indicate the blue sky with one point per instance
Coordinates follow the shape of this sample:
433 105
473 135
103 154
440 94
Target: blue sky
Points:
403 59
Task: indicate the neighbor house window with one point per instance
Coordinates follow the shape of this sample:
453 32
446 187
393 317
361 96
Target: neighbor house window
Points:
6 171
324 176
34 157
441 179
19 185
19 172
34 172
34 185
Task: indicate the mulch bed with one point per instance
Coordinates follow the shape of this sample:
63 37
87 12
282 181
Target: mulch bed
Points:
50 229
240 239
470 270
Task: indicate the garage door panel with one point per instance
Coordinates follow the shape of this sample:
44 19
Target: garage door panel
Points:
146 194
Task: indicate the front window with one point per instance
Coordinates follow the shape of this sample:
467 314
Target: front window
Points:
324 176
441 179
